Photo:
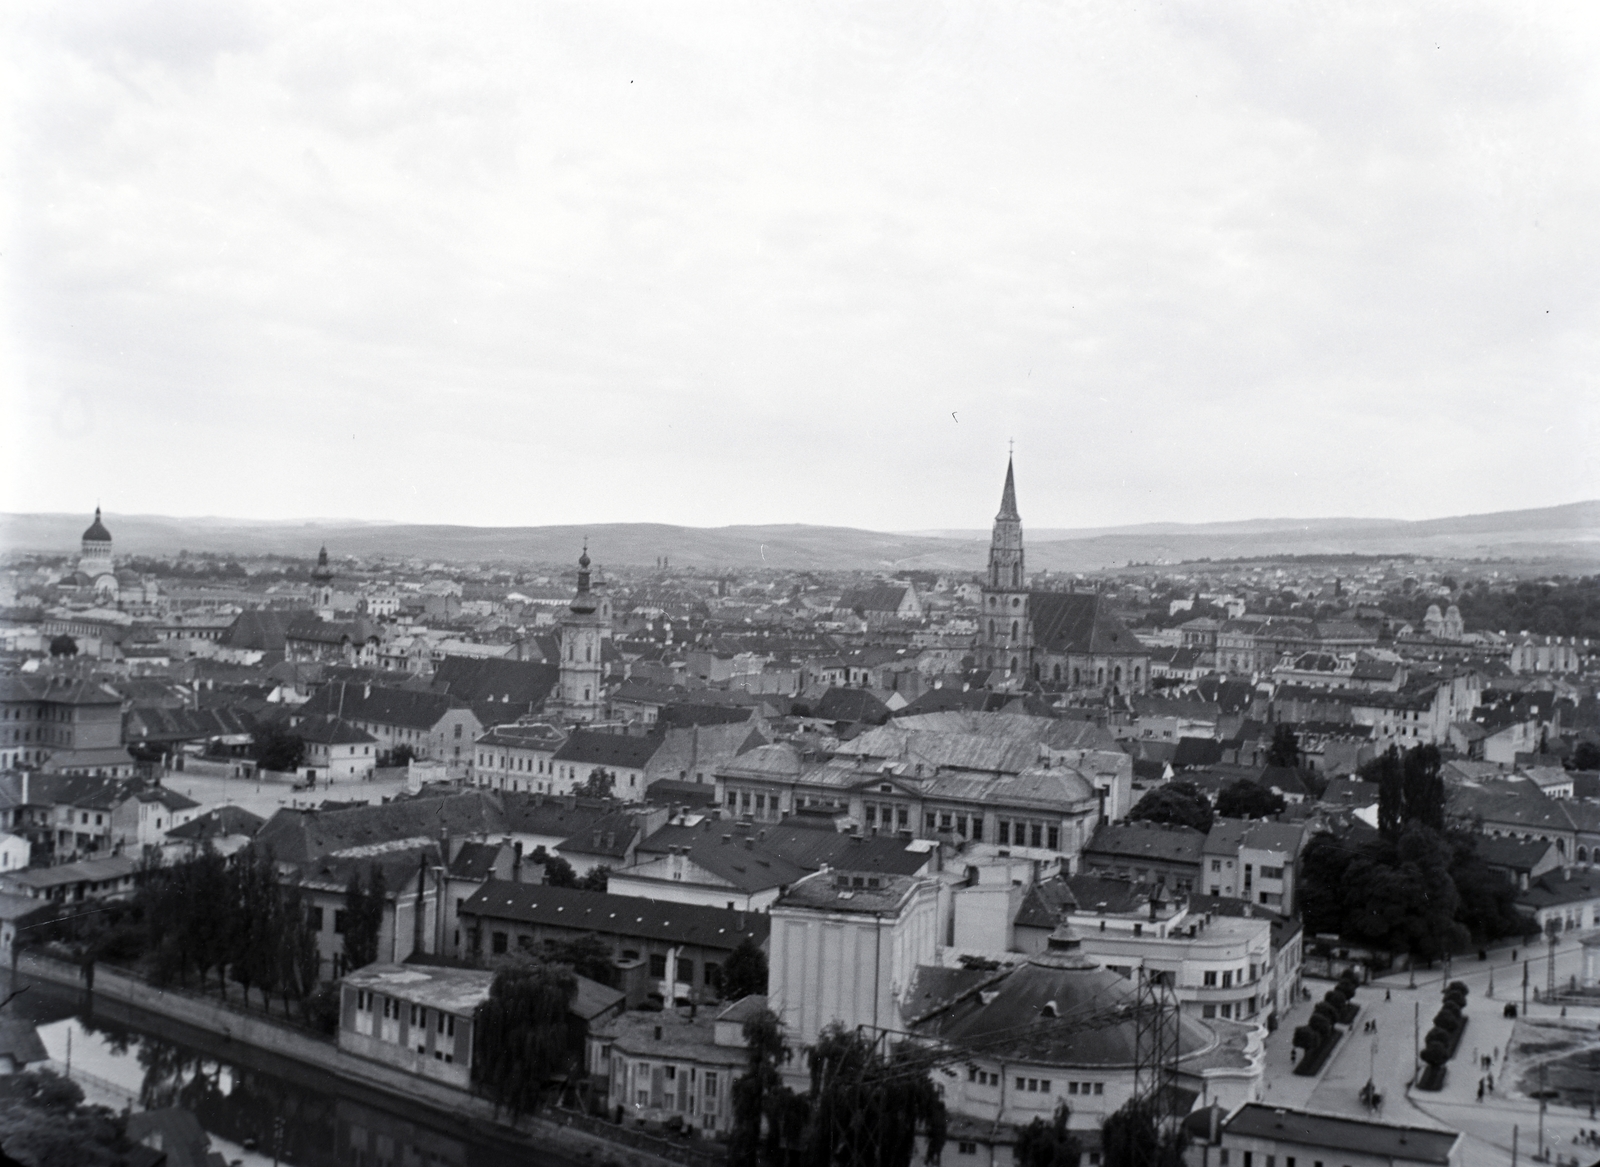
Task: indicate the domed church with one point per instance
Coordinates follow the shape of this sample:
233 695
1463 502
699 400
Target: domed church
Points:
96 569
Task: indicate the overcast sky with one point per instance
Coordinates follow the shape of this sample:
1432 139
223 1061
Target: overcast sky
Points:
727 263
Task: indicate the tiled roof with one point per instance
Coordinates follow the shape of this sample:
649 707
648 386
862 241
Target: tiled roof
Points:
519 686
225 820
1147 841
381 706
332 731
297 836
615 915
1076 622
596 747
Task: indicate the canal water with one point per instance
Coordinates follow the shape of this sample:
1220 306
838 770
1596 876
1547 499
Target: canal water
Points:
257 1107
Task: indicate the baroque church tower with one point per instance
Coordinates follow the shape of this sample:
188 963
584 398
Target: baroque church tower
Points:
1005 633
583 632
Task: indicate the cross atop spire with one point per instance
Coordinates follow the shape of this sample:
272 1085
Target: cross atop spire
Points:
1008 497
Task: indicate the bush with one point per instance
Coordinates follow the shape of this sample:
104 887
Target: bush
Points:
1338 996
1321 1023
1435 1055
1307 1038
1323 1009
322 1008
1456 999
1437 1036
1456 986
1449 1022
1349 977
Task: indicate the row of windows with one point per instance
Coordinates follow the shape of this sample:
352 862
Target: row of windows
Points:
40 713
1029 833
499 943
1229 1009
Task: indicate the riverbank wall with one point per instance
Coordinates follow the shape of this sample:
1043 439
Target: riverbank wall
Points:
572 1139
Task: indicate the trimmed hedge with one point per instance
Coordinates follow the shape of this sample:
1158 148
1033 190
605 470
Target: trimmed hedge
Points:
1314 1059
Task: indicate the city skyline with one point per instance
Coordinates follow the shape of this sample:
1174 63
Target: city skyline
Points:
717 267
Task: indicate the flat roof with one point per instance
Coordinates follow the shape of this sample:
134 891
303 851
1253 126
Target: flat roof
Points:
454 990
1327 1132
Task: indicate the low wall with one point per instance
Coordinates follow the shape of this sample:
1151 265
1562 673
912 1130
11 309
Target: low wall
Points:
263 1033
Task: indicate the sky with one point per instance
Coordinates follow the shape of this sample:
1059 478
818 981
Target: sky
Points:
705 263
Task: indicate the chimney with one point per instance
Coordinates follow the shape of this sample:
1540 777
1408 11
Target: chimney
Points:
516 862
749 843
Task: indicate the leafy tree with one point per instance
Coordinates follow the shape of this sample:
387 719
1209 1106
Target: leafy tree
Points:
557 871
589 957
1049 1144
1132 1137
363 918
1285 747
63 645
276 748
521 1035
1180 803
1245 799
599 784
44 1123
598 879
401 755
768 1118
868 1109
1424 786
744 972
1586 756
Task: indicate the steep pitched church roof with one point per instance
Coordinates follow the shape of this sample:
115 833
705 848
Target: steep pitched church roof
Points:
1076 622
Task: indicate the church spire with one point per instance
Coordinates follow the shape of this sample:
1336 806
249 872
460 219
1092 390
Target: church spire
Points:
1008 497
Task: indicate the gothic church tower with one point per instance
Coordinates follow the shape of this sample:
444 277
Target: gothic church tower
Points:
1005 634
583 629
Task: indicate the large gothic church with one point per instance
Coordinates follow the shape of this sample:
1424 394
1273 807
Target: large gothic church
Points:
1062 640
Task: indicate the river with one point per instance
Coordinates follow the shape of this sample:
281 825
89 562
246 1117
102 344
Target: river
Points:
253 1103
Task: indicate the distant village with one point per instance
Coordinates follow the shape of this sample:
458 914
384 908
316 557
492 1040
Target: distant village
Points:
916 803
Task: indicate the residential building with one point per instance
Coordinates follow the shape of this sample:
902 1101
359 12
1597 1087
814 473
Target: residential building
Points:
336 749
110 878
659 1066
622 756
1145 852
142 817
435 726
416 1018
71 724
519 758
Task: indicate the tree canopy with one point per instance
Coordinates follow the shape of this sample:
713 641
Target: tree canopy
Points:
1245 799
1410 788
520 1034
1131 1137
557 871
868 1109
1181 803
745 971
599 784
1285 747
276 748
1049 1143
769 1119
363 917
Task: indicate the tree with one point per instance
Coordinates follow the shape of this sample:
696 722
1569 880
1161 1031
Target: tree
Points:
363 917
63 645
1586 756
1385 770
44 1122
557 871
1049 1144
744 972
1180 803
276 748
867 1108
1245 799
589 957
598 879
1132 1137
401 755
1424 786
598 784
1285 747
768 1118
520 1034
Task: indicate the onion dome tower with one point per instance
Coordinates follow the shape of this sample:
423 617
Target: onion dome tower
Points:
583 630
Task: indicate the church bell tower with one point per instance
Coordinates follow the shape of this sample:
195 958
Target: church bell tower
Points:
583 631
1005 635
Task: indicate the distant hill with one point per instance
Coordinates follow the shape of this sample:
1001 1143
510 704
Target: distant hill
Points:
1568 536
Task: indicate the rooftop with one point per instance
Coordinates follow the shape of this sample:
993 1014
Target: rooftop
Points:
1327 1132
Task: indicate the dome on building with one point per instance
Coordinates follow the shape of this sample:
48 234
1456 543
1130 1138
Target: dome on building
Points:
97 532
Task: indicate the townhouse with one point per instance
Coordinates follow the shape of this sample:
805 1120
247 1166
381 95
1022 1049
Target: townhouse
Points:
435 726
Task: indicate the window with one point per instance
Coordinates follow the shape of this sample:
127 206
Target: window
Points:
498 943
1211 977
1005 832
314 918
658 964
1100 1088
967 1148
686 971
338 921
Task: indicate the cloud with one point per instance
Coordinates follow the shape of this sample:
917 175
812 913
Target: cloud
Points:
713 263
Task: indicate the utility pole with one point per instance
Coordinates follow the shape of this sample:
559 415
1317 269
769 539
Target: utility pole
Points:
1550 971
1524 988
1416 1042
1542 1069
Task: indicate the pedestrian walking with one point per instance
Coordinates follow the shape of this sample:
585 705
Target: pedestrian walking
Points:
1480 1089
1386 994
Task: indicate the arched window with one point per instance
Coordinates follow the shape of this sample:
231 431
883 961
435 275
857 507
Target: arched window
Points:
991 630
1055 674
1100 675
1016 575
1135 674
1117 675
588 654
1075 676
1583 854
1013 630
1013 664
1036 670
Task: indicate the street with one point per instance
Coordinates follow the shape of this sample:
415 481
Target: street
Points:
1487 1125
